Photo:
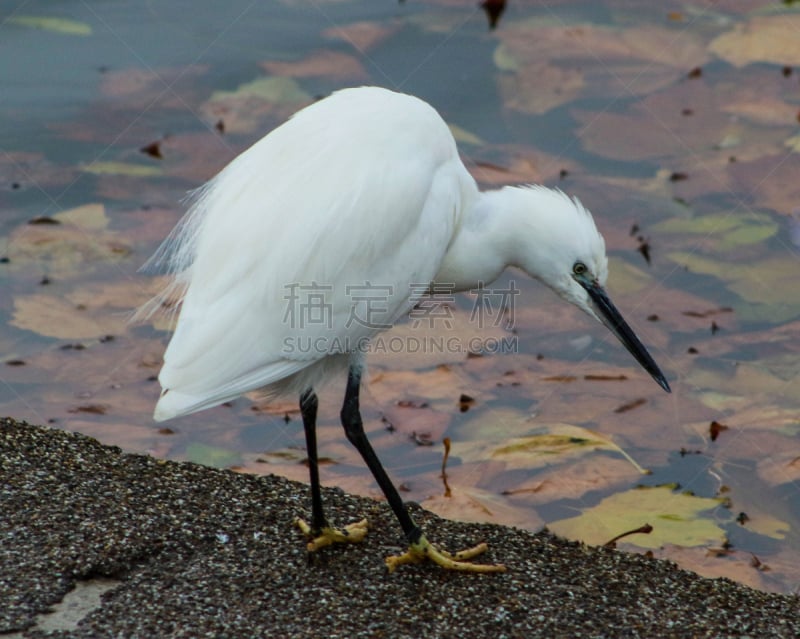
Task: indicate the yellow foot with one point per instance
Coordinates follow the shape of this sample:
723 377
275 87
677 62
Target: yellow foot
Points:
424 550
351 534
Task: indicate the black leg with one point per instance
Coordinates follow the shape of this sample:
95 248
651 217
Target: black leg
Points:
354 429
308 409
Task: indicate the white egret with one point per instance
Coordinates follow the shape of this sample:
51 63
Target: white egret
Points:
360 192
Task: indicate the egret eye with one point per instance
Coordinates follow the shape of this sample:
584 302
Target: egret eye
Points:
579 268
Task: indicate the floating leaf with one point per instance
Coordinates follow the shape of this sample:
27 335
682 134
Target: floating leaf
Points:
211 455
552 64
676 519
69 248
504 59
421 423
363 36
655 127
122 168
88 216
767 525
626 279
472 504
541 87
762 39
465 137
246 108
275 89
56 317
764 285
327 64
727 230
46 23
771 180
781 468
555 443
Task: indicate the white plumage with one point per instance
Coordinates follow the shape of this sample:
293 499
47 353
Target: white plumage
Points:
320 200
363 190
364 187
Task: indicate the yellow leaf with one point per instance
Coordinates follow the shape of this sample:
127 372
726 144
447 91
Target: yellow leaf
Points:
272 89
57 25
504 59
763 524
88 216
727 230
627 279
213 456
463 136
555 443
675 518
762 39
56 317
122 168
766 286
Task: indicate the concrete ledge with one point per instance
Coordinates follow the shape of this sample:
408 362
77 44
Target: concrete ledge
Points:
156 549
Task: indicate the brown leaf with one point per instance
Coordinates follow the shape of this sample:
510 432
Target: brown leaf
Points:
92 409
770 180
424 425
363 36
631 405
761 39
655 126
153 150
56 317
715 429
326 64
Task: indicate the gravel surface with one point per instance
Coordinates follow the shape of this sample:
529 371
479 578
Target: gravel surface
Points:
198 552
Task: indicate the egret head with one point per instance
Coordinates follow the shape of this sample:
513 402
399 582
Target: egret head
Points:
568 254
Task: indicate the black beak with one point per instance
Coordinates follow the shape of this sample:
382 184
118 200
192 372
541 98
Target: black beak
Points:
610 316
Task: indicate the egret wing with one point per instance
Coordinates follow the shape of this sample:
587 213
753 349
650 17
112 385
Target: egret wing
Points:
310 242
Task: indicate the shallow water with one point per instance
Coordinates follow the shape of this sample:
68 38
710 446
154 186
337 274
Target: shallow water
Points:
598 100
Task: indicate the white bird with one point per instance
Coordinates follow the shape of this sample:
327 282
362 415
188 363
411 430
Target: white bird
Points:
359 197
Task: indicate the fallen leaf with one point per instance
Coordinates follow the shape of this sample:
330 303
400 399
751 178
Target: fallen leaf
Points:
761 39
575 479
246 107
724 231
770 180
654 127
554 443
362 36
540 88
128 169
472 504
462 136
780 468
211 455
417 421
59 318
762 285
552 64
89 217
677 518
326 64
54 24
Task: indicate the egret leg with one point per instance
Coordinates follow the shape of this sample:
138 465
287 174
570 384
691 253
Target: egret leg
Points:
420 548
319 532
